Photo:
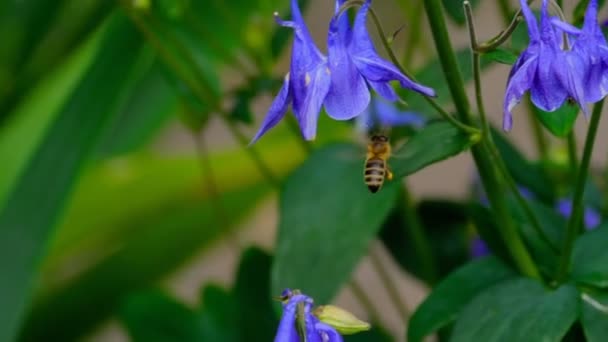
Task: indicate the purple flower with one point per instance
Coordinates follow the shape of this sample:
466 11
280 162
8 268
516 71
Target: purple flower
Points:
340 81
355 64
590 45
478 248
306 84
315 330
591 217
550 73
384 114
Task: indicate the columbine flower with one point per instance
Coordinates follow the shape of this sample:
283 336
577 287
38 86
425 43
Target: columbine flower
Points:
550 73
306 84
322 325
380 113
591 218
590 45
355 64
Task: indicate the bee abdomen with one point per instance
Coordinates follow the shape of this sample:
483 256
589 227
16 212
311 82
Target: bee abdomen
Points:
375 171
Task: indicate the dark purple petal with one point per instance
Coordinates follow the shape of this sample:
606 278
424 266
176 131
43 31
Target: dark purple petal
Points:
572 76
277 110
370 64
348 94
479 248
309 92
591 217
521 80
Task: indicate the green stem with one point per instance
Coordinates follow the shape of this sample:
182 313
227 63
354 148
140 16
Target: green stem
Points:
417 235
389 285
572 157
492 184
383 38
574 224
540 140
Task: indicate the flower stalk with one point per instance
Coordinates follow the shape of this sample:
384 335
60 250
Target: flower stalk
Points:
575 222
491 181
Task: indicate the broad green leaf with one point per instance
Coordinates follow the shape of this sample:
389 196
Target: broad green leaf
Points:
518 310
152 102
375 334
156 317
23 131
219 317
38 199
450 297
256 315
525 173
174 230
590 257
432 75
502 56
559 122
455 10
327 220
433 143
594 316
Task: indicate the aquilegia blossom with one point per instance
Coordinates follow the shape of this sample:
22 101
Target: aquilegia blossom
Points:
383 114
590 45
315 330
307 83
551 74
355 64
340 81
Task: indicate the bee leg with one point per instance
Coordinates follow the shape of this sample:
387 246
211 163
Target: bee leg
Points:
389 174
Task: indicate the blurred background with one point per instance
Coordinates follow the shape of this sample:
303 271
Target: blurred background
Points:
126 179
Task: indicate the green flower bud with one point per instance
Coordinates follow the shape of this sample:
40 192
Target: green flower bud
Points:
343 321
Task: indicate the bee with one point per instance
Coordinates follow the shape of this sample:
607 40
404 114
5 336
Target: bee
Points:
376 167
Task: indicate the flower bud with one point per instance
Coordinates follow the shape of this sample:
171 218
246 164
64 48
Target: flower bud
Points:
343 321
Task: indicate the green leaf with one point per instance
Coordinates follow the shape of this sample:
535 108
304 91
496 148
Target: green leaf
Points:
455 10
327 220
448 299
28 218
155 317
150 106
502 56
116 266
256 315
590 257
561 121
433 143
219 316
518 310
594 317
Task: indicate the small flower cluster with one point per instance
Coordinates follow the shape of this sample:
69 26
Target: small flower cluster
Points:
554 72
339 81
323 324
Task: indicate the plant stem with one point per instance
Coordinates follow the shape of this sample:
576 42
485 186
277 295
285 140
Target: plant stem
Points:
383 38
540 139
576 219
413 36
572 157
389 284
492 184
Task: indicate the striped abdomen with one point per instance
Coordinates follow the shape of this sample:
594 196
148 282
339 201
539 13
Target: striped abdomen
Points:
374 173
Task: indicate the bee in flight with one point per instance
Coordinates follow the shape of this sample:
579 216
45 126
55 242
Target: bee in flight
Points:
376 163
